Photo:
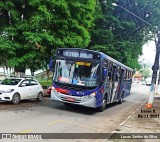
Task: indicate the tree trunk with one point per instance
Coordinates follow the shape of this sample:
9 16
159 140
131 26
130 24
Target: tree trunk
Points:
20 71
4 72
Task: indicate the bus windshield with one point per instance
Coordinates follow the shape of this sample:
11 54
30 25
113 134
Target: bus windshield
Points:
76 72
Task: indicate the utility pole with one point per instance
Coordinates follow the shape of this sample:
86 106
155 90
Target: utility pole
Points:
155 69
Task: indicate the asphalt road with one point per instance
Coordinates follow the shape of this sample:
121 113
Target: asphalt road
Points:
53 117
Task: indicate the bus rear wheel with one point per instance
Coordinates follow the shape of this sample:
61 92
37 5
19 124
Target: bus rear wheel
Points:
104 103
121 99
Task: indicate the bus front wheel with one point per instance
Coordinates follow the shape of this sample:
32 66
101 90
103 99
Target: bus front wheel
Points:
104 103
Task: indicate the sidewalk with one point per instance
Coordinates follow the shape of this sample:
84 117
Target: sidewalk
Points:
142 120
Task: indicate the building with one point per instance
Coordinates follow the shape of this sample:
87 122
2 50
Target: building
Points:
137 77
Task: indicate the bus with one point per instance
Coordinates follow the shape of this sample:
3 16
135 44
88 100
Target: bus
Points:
89 78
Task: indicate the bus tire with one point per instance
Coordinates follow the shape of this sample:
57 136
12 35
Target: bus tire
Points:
104 103
67 104
121 99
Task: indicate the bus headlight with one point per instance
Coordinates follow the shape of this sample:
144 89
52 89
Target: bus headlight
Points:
93 94
90 96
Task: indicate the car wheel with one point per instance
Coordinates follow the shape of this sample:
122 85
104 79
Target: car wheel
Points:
104 103
39 97
16 98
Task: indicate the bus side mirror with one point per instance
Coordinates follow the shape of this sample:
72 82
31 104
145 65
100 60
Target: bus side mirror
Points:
51 65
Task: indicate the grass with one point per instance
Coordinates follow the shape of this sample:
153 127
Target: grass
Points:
45 83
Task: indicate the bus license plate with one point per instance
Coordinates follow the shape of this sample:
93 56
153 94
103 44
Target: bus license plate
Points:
70 99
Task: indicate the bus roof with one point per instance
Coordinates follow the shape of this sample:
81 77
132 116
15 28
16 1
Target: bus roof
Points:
103 56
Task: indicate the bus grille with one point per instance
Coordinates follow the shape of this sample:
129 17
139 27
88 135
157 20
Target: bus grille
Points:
74 87
76 100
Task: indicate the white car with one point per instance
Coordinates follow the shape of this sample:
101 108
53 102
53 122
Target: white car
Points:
148 81
16 89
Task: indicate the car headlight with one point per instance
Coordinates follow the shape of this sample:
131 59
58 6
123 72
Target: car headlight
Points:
8 91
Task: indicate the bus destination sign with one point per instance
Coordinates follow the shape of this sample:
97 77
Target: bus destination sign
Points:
80 54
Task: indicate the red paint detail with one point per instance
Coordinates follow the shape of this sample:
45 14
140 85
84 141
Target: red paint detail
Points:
102 90
62 90
118 89
49 90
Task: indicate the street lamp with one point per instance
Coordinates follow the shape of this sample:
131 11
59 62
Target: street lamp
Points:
114 4
155 67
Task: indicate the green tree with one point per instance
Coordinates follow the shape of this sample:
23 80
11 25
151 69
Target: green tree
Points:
45 26
120 34
145 71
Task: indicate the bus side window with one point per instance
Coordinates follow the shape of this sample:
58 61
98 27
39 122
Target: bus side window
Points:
126 75
109 76
104 73
117 77
118 74
114 72
130 77
110 71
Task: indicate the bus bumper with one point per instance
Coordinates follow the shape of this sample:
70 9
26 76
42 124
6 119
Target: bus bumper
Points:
83 101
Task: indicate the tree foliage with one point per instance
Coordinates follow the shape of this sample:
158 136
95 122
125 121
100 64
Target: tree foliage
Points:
31 31
119 33
145 71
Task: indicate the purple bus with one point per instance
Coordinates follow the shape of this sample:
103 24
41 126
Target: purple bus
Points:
89 78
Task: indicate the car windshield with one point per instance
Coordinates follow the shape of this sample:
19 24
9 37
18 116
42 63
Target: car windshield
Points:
76 72
8 81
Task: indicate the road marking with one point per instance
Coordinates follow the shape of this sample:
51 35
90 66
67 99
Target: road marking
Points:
26 131
54 122
81 125
132 113
125 121
59 121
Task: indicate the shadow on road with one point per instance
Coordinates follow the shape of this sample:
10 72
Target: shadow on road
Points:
80 109
28 104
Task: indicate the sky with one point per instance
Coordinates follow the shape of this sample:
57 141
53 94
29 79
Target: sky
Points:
149 51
